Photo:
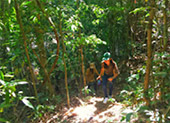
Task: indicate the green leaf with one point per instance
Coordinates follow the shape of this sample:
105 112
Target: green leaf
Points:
1 75
73 28
137 76
4 105
138 10
2 82
2 120
13 58
128 116
163 74
27 102
21 83
123 118
25 3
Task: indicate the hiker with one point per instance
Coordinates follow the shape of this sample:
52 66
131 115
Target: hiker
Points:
109 72
90 76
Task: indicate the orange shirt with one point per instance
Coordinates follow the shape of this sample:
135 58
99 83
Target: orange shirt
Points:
90 74
109 67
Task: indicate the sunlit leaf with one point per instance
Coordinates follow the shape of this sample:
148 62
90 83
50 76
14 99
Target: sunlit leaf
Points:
124 91
27 102
1 75
141 9
9 76
35 20
21 83
25 3
73 28
2 82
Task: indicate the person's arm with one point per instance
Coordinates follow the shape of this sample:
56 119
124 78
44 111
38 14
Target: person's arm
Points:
96 71
116 69
115 72
101 71
115 75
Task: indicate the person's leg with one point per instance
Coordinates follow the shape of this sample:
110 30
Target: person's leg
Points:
111 87
95 86
104 79
89 85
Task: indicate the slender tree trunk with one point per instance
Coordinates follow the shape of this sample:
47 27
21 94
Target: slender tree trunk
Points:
64 50
165 33
149 52
81 51
82 65
51 89
25 45
43 58
56 36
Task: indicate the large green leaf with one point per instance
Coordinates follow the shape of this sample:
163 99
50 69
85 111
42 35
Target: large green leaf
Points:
27 103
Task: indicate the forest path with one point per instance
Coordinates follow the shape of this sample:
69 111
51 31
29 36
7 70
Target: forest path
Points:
91 109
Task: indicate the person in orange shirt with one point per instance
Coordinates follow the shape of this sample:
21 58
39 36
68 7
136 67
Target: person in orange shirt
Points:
109 72
90 76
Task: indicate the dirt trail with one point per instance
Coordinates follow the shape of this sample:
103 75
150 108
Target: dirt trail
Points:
93 110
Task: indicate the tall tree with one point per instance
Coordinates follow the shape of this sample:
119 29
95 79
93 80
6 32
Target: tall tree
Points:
18 16
64 51
57 39
149 51
81 47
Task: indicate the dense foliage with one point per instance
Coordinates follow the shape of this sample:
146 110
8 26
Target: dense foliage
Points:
34 66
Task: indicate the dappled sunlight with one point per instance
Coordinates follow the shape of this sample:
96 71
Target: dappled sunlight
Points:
84 112
95 111
96 99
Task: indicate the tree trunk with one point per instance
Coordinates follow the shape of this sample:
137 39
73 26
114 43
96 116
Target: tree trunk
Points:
18 16
42 57
64 50
55 33
82 66
57 39
81 51
149 52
